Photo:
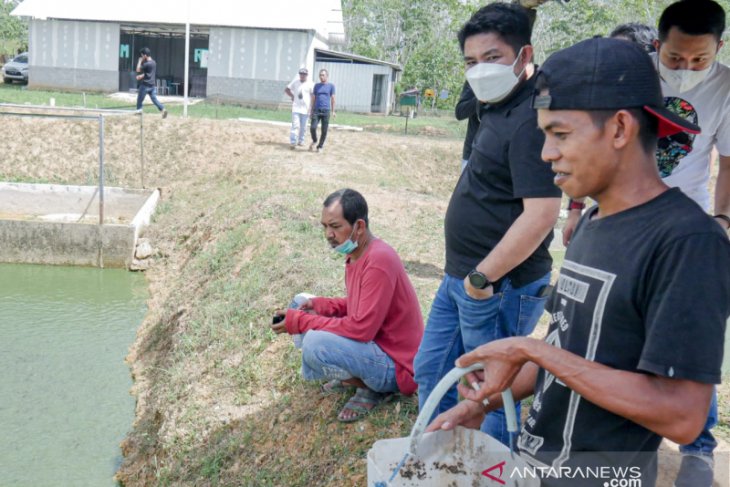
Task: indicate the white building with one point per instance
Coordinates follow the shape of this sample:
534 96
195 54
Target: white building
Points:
240 50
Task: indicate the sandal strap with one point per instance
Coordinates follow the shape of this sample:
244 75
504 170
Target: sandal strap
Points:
363 402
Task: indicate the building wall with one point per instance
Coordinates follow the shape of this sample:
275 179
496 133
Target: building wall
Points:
354 85
255 65
74 55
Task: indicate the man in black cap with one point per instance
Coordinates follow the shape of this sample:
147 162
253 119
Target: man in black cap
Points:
638 313
147 67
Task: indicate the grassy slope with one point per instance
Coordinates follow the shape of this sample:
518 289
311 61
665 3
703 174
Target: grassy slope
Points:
238 243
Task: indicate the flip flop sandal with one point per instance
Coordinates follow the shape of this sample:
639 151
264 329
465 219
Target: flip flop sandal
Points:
335 386
364 401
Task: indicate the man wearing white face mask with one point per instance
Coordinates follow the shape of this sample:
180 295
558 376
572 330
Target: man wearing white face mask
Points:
696 86
368 339
499 222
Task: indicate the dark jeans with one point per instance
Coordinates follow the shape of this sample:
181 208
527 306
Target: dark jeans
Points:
318 115
152 91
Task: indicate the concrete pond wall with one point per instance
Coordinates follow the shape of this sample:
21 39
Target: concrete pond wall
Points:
56 224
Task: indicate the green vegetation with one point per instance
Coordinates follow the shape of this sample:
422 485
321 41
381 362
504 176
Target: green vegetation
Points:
13 31
434 124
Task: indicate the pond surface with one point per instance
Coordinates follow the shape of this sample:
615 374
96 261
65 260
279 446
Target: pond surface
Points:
64 386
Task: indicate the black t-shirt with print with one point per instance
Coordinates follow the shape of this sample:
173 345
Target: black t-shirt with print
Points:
645 290
504 166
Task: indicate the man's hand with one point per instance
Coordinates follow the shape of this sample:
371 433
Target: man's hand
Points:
139 76
479 294
570 223
334 115
279 327
468 414
503 359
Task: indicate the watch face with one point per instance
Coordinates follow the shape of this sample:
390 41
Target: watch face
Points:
478 280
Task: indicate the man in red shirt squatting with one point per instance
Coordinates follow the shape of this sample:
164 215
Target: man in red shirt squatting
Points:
369 338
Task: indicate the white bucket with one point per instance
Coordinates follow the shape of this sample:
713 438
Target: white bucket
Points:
458 458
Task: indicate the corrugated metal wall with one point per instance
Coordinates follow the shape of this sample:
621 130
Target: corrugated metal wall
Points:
74 55
255 64
354 85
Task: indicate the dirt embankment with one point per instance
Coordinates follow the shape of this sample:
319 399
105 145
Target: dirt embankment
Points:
219 398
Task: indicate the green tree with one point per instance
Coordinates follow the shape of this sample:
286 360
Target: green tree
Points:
419 35
13 30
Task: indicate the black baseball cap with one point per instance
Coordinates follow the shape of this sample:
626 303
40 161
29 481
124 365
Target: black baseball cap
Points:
606 74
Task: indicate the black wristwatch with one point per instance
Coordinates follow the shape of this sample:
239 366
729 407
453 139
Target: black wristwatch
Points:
479 280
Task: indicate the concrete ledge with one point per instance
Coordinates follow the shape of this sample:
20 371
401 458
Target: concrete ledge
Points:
55 224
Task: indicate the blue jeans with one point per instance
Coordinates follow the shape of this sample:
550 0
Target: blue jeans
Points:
298 128
143 91
328 356
458 324
705 443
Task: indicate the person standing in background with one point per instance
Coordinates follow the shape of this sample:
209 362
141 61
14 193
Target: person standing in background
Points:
467 108
300 92
323 105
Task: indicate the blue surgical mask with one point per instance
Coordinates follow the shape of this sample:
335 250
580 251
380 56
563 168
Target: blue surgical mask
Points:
348 246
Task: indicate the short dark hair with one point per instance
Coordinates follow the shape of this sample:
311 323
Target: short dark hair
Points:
354 206
693 17
648 125
640 34
508 21
145 51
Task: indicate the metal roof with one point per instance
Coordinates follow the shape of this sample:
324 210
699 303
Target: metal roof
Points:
322 16
353 57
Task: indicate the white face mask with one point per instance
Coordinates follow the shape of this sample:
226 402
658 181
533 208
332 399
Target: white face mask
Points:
682 80
492 82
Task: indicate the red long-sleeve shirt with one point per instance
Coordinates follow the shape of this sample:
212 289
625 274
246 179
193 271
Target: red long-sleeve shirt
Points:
381 306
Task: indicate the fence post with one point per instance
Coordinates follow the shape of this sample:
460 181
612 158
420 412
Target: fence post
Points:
101 190
141 146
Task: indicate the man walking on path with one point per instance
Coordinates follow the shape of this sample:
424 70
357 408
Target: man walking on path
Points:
300 92
323 105
147 67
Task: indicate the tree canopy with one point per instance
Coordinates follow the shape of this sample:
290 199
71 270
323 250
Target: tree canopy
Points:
420 35
13 31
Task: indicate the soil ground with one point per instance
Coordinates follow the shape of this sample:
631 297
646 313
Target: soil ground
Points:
219 400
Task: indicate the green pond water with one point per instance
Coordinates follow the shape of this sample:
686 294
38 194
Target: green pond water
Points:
64 385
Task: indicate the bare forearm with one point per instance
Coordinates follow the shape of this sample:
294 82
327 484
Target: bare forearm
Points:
522 238
672 408
722 190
